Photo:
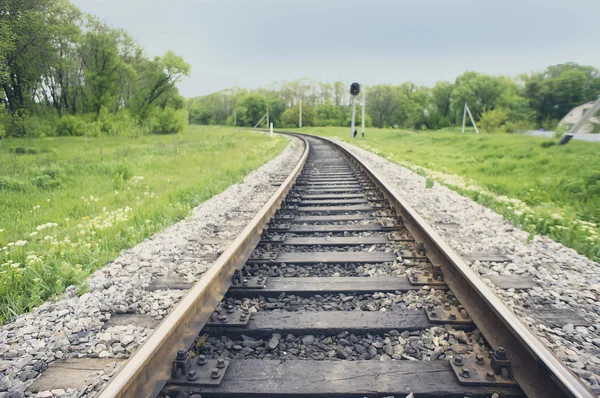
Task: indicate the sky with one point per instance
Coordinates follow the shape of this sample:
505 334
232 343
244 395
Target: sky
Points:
237 43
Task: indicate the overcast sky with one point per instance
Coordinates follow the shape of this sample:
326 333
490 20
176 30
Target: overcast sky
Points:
257 42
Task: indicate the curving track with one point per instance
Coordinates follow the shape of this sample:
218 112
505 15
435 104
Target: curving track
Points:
338 288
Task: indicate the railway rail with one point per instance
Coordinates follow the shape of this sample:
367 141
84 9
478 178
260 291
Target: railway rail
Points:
338 288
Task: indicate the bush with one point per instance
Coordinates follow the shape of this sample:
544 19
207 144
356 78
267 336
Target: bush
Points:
78 126
547 144
45 181
119 123
289 118
71 125
8 183
550 124
40 127
166 121
519 126
493 120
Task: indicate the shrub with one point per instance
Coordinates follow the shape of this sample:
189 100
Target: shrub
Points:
493 120
547 144
119 123
166 121
8 183
22 151
289 118
79 126
36 126
518 126
45 181
71 125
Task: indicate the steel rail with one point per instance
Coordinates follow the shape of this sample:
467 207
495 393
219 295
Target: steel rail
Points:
539 373
148 370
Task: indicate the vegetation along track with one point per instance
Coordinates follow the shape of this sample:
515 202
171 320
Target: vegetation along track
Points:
338 288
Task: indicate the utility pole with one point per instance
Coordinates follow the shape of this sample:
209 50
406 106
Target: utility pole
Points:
268 116
588 114
362 118
467 110
300 114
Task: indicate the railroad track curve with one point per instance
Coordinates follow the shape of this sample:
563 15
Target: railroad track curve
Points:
338 288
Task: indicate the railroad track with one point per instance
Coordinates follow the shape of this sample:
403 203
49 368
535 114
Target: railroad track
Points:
338 288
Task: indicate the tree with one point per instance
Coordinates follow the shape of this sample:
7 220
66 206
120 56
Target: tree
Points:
493 120
329 114
251 109
157 79
555 91
441 101
25 47
479 91
101 64
290 116
339 93
382 102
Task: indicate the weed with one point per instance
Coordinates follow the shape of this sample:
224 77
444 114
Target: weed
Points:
64 214
545 188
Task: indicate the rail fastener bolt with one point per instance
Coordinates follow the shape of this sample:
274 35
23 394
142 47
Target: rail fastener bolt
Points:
192 375
220 363
181 354
458 360
490 375
215 373
465 373
201 359
479 359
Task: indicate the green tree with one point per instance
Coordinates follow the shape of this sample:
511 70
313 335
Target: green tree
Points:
251 109
290 116
493 120
382 102
156 82
329 114
101 65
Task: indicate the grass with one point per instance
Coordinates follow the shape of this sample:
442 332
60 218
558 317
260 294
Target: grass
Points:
69 205
547 189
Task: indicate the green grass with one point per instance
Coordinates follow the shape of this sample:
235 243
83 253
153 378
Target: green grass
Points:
69 205
548 189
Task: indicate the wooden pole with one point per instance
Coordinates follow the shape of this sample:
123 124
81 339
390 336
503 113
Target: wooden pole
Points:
300 114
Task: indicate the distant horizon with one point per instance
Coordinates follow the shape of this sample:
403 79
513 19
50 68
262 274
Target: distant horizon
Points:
232 43
348 82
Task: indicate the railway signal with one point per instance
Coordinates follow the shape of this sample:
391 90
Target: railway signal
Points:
354 90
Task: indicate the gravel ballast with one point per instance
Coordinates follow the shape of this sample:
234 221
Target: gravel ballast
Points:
73 326
566 280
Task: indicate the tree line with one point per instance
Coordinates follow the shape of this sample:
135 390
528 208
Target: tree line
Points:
529 101
64 72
